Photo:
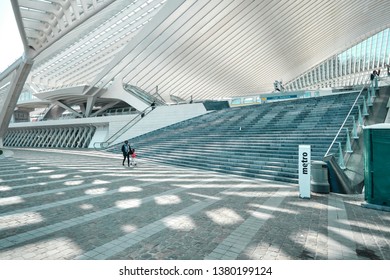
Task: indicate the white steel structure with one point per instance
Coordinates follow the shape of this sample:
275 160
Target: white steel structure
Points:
349 67
84 51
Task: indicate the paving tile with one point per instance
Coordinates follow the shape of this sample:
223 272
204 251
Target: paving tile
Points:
86 218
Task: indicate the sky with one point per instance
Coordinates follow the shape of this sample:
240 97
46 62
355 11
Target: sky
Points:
11 46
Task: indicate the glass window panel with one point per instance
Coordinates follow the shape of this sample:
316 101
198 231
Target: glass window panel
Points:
360 57
236 101
248 100
382 55
313 75
368 53
374 44
339 66
326 71
343 63
318 73
365 56
353 59
348 62
387 49
378 49
321 72
331 68
381 48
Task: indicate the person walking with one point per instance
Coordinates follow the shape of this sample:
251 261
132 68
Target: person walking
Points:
126 153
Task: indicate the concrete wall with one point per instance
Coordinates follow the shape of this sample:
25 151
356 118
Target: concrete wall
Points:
164 116
99 136
107 126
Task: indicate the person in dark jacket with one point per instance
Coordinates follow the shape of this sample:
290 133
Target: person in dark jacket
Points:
126 153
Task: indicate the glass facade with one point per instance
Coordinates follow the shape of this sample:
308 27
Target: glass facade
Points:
26 96
348 68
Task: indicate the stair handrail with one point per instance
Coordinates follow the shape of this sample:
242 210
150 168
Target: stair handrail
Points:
160 97
144 95
345 121
127 126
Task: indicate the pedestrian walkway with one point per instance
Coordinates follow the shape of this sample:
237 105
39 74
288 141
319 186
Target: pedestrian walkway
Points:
83 204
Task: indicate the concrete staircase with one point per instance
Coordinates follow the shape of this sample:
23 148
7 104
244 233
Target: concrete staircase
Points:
258 141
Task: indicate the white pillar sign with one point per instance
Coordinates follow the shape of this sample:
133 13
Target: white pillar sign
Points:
304 171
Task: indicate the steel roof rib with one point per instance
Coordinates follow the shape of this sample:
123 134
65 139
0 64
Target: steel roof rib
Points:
195 50
84 42
113 45
230 43
175 51
189 48
58 17
140 41
232 52
162 45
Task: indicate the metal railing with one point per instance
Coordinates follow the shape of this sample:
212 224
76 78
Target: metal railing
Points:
144 95
345 121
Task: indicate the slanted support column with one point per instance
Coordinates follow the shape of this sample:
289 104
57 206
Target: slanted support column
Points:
372 90
348 146
66 107
116 91
360 118
341 157
101 110
90 103
370 98
365 111
19 77
82 108
354 129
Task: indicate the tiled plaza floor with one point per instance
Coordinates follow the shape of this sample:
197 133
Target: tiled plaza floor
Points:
83 204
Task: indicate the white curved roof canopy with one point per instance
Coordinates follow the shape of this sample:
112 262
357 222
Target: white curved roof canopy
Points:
200 48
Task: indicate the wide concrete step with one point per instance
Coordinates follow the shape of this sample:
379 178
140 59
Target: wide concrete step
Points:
259 141
236 170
